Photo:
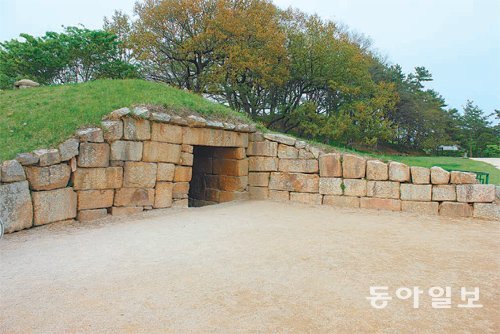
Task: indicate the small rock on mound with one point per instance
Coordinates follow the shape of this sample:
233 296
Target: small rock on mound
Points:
25 83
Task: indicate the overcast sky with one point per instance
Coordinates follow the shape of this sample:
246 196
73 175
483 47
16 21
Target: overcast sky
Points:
457 40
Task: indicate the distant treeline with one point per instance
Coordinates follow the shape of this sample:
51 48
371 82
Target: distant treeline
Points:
293 72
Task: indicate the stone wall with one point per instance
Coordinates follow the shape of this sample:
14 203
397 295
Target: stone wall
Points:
141 160
285 169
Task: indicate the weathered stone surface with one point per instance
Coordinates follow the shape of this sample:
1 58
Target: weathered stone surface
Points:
214 137
93 155
300 144
287 140
69 149
163 195
166 133
16 209
160 117
475 193
95 199
90 215
25 83
136 129
416 192
377 170
180 190
341 201
258 193
426 208
220 125
354 187
258 179
487 211
141 112
262 164
444 192
330 165
229 153
233 183
230 167
27 159
420 175
304 154
256 136
183 174
187 148
262 148
48 178
439 175
287 152
294 182
186 159
12 171
380 203
316 152
134 197
92 135
306 198
383 189
116 163
180 203
399 172
47 157
165 172
112 130
196 121
124 211
139 175
98 178
330 186
54 205
228 196
279 195
119 113
126 150
298 165
353 166
454 209
161 152
462 178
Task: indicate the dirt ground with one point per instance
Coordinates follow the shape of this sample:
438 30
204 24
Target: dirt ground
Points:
248 267
492 161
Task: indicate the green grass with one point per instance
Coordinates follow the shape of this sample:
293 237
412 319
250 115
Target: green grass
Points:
44 117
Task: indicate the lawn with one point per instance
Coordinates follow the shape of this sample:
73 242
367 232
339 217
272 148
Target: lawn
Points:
43 117
448 163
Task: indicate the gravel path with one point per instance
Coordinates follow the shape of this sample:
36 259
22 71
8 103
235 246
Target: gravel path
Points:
492 161
248 267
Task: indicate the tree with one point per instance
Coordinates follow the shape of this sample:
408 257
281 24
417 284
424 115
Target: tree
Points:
76 55
477 133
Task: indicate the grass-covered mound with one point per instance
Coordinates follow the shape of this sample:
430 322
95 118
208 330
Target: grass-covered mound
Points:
43 117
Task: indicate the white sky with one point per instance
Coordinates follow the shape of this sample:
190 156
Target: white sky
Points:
457 40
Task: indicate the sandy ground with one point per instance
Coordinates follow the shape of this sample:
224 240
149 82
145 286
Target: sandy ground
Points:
492 161
248 267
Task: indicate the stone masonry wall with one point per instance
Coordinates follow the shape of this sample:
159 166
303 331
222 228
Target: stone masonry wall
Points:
141 160
138 160
285 169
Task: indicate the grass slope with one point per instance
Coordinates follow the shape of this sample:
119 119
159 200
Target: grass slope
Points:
44 117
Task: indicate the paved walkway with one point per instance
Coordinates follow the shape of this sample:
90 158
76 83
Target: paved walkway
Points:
492 161
246 268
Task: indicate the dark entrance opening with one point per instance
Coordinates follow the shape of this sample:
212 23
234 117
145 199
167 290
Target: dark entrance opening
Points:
220 174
